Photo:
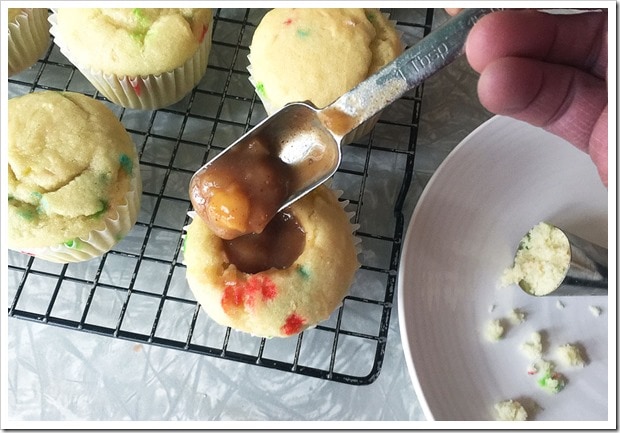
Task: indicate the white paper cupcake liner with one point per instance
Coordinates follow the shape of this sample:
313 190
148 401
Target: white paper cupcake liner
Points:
29 37
98 242
360 131
146 92
357 241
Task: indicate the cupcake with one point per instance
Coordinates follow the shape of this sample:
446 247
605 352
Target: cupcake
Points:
29 37
74 184
317 55
286 279
138 58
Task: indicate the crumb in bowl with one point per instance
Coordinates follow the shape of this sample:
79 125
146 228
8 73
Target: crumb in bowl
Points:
510 410
533 348
494 330
571 355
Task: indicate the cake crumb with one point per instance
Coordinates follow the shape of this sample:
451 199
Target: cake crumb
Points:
560 305
541 261
571 355
540 365
533 347
596 311
516 316
552 382
510 410
494 330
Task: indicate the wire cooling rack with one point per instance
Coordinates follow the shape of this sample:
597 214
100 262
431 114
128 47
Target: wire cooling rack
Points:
138 291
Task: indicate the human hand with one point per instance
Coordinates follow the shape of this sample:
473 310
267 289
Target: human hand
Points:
547 70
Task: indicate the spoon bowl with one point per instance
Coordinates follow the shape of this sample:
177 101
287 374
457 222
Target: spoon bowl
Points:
305 142
587 272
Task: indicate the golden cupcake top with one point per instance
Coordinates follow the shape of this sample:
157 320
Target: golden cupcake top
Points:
282 281
131 41
70 161
318 54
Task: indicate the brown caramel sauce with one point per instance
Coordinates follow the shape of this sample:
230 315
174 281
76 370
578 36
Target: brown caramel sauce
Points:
339 122
238 197
277 246
241 191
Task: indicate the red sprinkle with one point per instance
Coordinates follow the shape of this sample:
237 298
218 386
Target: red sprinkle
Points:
288 21
292 325
233 298
267 287
247 293
135 83
204 32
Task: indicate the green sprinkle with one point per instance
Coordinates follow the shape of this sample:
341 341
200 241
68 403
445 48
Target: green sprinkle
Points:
104 178
104 208
552 381
184 243
303 271
370 16
260 89
26 214
126 163
143 21
138 36
143 25
36 195
303 33
73 243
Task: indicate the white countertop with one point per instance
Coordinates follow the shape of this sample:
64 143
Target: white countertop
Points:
58 374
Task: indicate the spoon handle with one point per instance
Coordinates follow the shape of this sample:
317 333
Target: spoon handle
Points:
416 64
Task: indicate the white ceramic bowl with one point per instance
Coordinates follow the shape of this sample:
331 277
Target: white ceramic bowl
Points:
497 183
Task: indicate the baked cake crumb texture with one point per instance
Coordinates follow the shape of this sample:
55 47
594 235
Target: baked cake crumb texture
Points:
533 347
571 355
494 330
516 316
541 261
510 410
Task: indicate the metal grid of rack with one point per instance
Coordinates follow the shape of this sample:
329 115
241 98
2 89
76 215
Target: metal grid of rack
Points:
138 291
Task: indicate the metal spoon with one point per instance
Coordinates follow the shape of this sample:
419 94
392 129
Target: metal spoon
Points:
587 273
308 140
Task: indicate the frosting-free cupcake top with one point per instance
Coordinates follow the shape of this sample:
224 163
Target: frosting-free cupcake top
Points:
70 162
319 54
291 283
125 41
